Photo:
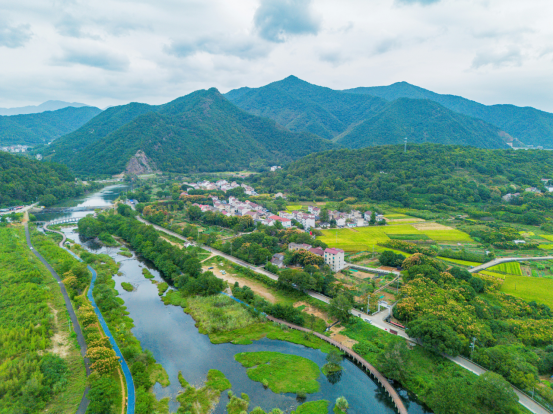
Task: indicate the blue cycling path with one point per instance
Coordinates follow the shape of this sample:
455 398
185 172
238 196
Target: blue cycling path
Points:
76 327
124 366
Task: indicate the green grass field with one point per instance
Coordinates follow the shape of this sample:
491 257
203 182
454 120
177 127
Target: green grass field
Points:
547 237
363 238
513 268
497 275
294 207
537 289
461 262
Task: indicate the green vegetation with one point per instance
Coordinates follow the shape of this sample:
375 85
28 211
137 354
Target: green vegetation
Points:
33 335
162 288
147 274
283 372
531 289
202 400
312 407
361 120
24 180
174 136
41 128
127 286
512 268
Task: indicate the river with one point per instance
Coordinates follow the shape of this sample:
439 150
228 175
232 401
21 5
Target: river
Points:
171 335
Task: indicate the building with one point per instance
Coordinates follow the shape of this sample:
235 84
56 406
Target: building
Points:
277 195
276 167
318 251
285 222
278 260
335 259
367 215
286 214
296 246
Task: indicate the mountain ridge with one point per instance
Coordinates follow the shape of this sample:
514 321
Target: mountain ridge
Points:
51 105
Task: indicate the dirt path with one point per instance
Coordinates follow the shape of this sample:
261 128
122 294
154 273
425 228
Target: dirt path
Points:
60 344
258 288
172 242
314 311
337 336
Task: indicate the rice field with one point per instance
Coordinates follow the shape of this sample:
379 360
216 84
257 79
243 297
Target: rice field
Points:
545 246
512 268
547 237
363 238
461 262
537 289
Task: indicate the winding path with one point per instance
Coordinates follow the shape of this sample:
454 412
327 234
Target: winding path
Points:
80 338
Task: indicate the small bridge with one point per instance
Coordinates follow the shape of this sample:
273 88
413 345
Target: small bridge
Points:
61 221
80 208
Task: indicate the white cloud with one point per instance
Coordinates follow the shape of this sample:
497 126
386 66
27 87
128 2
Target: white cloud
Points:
276 20
14 36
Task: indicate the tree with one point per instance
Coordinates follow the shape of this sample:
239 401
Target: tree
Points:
494 394
340 307
194 212
395 361
342 404
102 394
435 335
324 215
452 396
333 362
373 218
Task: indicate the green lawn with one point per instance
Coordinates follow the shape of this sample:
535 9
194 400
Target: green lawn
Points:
281 372
312 407
537 289
461 262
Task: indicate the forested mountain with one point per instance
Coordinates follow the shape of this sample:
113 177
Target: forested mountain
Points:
202 131
530 125
421 121
24 180
41 128
425 174
359 120
35 109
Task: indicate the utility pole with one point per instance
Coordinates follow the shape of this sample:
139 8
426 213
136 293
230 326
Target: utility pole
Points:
472 346
368 304
405 148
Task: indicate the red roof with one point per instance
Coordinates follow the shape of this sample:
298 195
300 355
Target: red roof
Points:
316 250
281 219
333 251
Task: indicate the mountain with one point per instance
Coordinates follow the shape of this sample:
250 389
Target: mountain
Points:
421 121
46 106
41 128
425 176
529 125
358 120
24 180
202 131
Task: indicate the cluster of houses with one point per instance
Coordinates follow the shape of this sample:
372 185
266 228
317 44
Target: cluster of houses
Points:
235 207
15 148
354 218
276 167
222 185
334 258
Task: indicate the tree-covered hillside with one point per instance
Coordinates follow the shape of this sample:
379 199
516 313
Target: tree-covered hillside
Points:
421 121
41 128
426 174
361 120
530 125
23 180
202 131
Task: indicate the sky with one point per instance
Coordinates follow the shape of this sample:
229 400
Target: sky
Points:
105 53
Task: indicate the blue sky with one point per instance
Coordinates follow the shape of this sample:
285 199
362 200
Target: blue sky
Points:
113 52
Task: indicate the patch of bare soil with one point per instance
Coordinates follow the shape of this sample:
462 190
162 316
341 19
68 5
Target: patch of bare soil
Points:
60 340
431 226
387 268
362 275
313 311
344 340
405 220
253 285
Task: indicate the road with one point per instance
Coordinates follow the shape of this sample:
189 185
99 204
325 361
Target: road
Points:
376 319
76 327
21 210
506 260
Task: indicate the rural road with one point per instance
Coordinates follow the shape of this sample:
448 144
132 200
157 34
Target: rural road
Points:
506 260
377 319
76 327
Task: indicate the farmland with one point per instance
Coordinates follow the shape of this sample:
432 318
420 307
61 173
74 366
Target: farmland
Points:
512 268
363 238
530 288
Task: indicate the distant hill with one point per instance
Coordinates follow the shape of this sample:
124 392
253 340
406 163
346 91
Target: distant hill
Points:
202 131
24 180
34 109
41 128
529 125
421 121
358 120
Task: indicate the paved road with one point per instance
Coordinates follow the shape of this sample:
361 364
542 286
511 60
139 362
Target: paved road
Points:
21 210
372 269
376 320
506 260
80 338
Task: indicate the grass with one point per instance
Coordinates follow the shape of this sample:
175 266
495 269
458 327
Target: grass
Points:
246 335
408 236
203 400
361 238
547 237
294 207
162 287
147 274
530 288
219 314
282 372
159 374
461 262
124 253
512 268
312 407
127 286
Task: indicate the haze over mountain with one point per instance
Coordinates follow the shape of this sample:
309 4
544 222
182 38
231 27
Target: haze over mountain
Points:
41 128
301 106
529 125
46 106
202 131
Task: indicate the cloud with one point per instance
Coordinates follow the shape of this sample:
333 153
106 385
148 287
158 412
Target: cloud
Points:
275 20
241 46
508 57
70 26
94 57
14 36
422 2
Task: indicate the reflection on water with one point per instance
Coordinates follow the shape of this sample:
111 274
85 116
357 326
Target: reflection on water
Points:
104 197
172 337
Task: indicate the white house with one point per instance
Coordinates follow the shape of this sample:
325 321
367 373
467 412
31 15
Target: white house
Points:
285 222
335 259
